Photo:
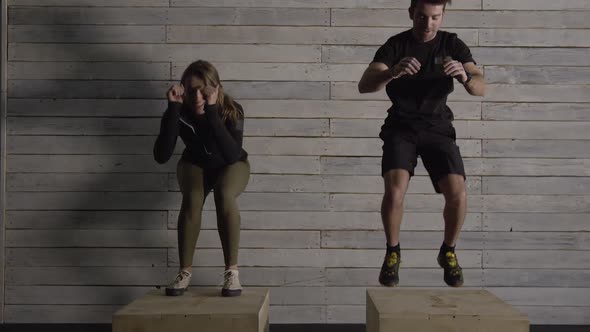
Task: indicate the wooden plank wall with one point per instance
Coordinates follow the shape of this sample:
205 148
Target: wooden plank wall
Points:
91 218
3 77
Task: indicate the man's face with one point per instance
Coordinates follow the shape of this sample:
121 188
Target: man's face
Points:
427 19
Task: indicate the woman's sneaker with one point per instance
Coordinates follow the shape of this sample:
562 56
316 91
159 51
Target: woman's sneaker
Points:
180 284
231 283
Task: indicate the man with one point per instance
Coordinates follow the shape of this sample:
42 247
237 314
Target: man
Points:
417 67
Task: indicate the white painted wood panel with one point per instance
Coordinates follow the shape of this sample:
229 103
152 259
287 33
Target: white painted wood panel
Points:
457 4
92 219
169 16
536 5
162 52
85 33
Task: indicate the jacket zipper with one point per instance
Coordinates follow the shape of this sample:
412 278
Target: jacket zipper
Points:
194 132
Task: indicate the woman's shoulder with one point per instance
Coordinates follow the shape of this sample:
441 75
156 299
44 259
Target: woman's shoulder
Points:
238 105
239 108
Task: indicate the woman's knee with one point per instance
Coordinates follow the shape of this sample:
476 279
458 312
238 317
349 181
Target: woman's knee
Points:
225 199
192 203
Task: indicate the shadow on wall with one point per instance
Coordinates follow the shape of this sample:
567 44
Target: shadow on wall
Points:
87 204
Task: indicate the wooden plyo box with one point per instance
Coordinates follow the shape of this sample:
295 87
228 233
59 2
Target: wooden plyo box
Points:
199 309
421 310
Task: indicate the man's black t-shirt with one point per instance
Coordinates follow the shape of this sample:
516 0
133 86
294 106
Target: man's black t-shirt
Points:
421 99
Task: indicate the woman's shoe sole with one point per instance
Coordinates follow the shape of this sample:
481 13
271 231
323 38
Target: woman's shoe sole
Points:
231 292
175 291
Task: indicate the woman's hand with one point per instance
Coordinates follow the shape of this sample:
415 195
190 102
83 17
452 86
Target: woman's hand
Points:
210 93
175 93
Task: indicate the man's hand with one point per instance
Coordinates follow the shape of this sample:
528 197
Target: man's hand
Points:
455 69
406 66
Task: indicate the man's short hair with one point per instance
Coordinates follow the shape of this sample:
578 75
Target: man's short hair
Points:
433 2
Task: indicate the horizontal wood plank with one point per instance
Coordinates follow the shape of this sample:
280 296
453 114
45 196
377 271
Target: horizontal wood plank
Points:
458 4
86 33
24 51
169 16
533 221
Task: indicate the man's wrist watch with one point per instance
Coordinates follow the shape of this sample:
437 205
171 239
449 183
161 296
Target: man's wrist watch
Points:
469 77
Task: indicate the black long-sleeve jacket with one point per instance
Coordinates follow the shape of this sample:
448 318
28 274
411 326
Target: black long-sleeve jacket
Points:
209 142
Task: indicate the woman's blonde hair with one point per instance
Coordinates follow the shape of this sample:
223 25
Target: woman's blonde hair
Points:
208 75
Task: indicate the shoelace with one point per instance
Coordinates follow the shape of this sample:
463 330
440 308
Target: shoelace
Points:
229 278
451 259
181 275
391 259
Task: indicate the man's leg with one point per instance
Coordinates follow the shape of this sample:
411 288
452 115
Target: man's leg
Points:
442 159
453 189
396 184
392 207
397 166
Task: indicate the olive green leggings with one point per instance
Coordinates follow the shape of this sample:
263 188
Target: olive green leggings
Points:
195 184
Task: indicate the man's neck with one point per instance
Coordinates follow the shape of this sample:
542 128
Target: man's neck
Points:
420 40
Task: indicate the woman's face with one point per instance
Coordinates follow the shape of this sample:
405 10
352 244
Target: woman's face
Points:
193 95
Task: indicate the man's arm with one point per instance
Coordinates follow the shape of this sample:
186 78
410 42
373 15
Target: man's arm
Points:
477 85
375 78
377 75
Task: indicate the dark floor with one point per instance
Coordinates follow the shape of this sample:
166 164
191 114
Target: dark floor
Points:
273 328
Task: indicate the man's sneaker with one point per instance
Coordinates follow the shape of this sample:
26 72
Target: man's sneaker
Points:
180 284
389 271
231 283
453 273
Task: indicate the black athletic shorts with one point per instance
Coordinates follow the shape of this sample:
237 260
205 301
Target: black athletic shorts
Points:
436 146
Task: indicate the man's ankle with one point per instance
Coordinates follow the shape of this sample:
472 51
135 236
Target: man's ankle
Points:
446 248
391 249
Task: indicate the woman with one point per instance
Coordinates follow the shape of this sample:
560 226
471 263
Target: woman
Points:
210 124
